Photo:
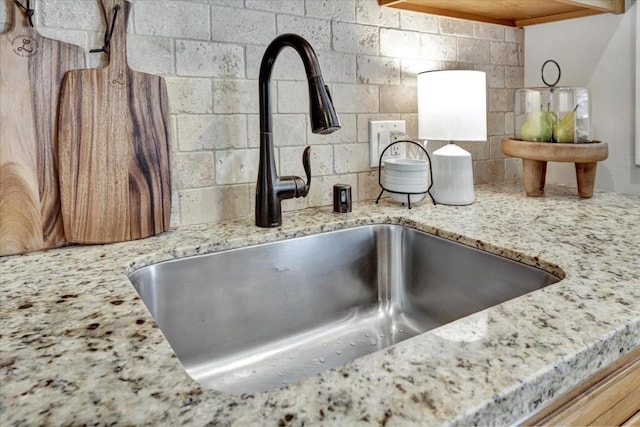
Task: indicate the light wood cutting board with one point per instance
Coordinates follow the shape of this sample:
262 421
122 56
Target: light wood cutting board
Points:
31 71
114 147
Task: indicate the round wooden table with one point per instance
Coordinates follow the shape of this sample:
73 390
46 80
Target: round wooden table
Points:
535 156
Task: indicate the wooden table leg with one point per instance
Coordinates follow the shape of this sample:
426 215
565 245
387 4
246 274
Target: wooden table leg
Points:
534 176
586 177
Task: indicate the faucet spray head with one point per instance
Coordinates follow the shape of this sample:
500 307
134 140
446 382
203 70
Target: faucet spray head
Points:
324 119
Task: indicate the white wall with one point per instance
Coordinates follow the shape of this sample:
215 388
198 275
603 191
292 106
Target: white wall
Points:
637 88
597 52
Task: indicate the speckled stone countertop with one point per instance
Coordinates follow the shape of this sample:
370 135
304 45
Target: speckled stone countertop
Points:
77 345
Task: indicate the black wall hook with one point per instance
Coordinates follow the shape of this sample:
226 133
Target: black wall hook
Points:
108 32
27 10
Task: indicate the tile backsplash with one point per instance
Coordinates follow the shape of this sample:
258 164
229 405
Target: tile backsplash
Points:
210 53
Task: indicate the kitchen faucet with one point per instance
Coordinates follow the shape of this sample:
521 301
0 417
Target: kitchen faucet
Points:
272 189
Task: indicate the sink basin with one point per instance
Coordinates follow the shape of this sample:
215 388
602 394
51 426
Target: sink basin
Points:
261 317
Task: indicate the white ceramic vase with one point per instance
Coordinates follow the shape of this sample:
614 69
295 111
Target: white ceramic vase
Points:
452 176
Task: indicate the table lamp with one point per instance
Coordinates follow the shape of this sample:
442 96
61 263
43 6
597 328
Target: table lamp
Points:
452 106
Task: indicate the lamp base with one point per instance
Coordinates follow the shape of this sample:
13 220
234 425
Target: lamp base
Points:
452 176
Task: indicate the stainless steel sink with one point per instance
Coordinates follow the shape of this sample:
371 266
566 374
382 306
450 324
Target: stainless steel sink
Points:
260 317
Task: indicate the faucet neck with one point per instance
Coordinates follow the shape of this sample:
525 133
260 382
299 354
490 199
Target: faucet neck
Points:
311 67
271 189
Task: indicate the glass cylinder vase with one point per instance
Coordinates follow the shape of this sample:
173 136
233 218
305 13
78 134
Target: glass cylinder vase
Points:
552 115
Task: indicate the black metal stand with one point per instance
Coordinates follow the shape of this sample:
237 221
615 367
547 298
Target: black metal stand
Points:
400 192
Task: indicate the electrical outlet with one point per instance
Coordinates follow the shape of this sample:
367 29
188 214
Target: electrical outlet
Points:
381 134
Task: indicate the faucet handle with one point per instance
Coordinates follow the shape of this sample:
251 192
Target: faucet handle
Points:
306 164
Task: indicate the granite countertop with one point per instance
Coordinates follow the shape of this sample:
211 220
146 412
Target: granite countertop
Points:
78 346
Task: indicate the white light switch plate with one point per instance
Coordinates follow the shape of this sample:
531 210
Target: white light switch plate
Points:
380 137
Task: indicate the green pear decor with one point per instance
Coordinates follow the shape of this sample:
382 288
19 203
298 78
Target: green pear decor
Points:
552 114
565 130
537 128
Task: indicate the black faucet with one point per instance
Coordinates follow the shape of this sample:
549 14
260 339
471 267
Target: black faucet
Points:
272 189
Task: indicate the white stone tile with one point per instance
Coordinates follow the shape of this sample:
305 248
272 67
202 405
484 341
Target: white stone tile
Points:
185 20
337 67
411 124
503 53
515 35
253 59
202 205
399 43
418 21
209 132
226 3
351 158
514 77
521 55
495 147
175 209
411 67
293 97
188 95
378 70
456 27
349 98
288 65
370 12
70 14
235 96
486 171
500 99
438 47
150 54
368 185
321 159
242 26
316 31
495 124
480 150
253 130
473 50
346 133
513 169
495 74
194 170
197 205
340 10
398 99
289 129
482 30
355 38
509 124
206 59
174 134
295 7
321 192
295 204
236 166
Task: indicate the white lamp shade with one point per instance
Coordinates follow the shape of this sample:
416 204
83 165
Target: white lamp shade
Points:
452 105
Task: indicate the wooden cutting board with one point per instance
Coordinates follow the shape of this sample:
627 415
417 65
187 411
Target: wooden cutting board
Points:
31 71
114 147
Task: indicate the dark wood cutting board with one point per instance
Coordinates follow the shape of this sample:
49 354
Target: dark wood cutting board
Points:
31 71
114 147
